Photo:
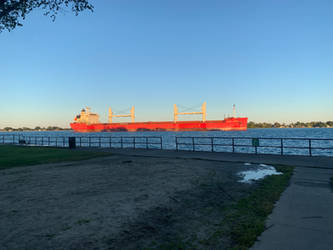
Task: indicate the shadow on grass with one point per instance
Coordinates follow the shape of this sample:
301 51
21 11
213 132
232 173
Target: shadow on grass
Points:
245 220
13 156
241 222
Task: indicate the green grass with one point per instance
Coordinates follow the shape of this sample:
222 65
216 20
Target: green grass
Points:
246 219
13 156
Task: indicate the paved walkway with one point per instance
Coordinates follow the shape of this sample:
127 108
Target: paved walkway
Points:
303 217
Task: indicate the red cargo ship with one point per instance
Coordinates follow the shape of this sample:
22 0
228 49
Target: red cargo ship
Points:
89 122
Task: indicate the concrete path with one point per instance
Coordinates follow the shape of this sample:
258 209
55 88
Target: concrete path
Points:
303 217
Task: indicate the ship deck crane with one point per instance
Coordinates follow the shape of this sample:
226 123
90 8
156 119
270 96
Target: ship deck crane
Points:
131 114
176 113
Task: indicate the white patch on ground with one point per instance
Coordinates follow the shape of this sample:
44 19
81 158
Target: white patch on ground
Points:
247 164
256 174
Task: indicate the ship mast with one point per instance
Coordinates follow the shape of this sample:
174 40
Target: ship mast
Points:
110 115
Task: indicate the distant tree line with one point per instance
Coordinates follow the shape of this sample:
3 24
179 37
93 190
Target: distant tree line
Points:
49 128
315 124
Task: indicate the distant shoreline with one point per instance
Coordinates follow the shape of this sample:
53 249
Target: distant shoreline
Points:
313 124
33 130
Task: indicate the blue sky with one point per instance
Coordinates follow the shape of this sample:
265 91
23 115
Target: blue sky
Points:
273 59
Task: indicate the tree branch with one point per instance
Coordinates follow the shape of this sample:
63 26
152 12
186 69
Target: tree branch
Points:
11 11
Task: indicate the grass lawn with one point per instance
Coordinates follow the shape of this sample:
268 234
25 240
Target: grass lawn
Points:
240 222
244 220
13 156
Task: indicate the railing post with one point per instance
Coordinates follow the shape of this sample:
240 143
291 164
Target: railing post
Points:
13 139
146 142
134 142
63 142
161 140
211 143
176 143
121 141
310 148
110 141
72 142
281 146
99 140
233 145
89 141
80 142
193 149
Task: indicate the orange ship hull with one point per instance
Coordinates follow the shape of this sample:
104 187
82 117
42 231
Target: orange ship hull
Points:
227 124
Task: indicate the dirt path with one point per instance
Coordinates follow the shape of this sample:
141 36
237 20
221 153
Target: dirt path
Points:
110 203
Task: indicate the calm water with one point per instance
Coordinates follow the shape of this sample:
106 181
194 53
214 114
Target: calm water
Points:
169 138
274 132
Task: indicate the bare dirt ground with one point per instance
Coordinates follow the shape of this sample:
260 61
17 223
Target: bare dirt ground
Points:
117 202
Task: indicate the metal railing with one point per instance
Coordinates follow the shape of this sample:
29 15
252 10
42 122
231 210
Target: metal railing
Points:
146 142
281 146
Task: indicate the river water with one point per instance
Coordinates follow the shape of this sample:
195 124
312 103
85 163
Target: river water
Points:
267 132
169 139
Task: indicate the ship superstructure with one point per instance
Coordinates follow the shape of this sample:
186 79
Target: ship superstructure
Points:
87 117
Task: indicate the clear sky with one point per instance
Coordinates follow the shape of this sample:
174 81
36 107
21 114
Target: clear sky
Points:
272 58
